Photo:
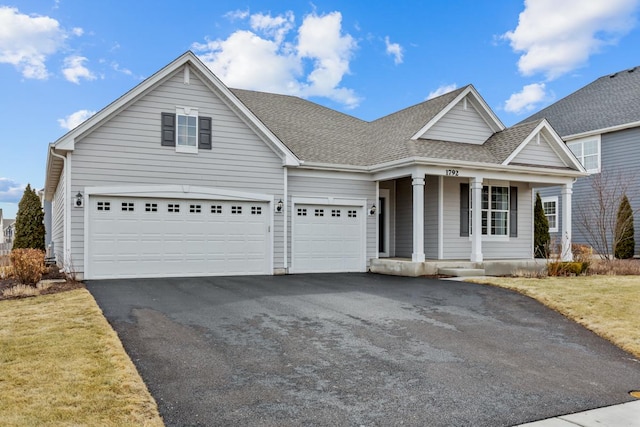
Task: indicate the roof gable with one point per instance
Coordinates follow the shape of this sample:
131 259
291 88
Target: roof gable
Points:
188 61
467 109
541 146
462 123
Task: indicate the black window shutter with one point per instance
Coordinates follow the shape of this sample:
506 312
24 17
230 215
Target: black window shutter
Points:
169 129
204 137
464 210
513 212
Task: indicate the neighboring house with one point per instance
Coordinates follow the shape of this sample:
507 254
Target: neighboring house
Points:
7 226
601 125
182 176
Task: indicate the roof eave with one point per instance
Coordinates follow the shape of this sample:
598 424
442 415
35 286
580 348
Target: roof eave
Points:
601 131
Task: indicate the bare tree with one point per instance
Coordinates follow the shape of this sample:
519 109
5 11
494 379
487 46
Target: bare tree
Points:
596 216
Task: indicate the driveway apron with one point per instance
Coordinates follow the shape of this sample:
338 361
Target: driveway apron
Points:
357 349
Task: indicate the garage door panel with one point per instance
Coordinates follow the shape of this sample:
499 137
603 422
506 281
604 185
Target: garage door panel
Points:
156 237
327 239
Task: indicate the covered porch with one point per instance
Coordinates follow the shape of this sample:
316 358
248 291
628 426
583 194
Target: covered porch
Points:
426 221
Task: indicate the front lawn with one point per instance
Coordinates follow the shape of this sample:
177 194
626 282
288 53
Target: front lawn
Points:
607 305
62 364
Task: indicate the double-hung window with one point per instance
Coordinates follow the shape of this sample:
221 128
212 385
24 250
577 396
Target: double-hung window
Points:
550 207
495 211
498 211
186 130
588 152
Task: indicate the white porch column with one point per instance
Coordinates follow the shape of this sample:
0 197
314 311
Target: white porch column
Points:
418 218
567 191
475 186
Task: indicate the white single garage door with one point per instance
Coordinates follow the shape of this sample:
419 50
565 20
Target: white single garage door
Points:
328 238
140 237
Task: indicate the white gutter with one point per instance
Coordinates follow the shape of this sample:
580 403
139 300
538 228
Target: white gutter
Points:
600 131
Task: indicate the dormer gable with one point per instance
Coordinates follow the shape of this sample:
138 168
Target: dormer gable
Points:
466 119
543 147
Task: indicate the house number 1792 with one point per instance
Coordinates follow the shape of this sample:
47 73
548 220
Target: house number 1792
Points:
452 172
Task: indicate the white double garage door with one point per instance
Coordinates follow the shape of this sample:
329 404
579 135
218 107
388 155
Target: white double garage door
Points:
147 237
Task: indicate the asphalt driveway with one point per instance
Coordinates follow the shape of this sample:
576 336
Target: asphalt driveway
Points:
357 349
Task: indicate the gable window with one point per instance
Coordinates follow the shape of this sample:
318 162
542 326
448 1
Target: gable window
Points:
550 207
588 152
499 211
186 130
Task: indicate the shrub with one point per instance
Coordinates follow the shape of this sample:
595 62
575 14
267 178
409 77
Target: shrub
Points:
541 238
29 222
624 234
616 267
28 265
562 268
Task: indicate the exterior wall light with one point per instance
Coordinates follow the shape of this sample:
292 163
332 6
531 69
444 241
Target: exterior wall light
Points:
78 200
372 210
279 206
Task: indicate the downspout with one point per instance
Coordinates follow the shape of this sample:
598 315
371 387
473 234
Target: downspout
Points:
66 213
286 220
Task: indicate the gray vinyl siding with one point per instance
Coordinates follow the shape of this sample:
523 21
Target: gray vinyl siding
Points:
538 154
460 125
431 217
621 155
404 218
300 186
557 192
391 186
621 159
57 220
457 247
127 151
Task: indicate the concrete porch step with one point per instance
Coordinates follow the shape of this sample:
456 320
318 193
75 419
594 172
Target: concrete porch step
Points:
461 272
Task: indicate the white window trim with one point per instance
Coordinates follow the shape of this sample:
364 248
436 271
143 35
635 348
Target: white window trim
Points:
555 200
189 112
582 141
489 236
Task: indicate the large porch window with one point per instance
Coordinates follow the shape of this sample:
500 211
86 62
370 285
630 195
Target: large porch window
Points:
495 211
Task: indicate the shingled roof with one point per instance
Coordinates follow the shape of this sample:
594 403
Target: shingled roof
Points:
611 100
318 134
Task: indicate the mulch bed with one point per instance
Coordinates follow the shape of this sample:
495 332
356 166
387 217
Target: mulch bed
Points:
52 273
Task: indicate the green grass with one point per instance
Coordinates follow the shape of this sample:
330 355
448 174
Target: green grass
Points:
62 364
607 305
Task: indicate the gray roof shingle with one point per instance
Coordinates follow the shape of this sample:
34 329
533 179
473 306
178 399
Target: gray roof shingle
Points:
611 100
318 134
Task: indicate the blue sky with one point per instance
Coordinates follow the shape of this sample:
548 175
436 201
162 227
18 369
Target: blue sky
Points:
63 60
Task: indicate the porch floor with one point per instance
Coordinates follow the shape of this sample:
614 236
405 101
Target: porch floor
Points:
406 267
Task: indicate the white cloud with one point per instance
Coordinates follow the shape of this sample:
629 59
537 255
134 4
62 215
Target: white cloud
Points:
442 90
26 41
237 14
268 57
556 37
74 120
75 70
395 50
527 99
276 27
118 68
10 190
